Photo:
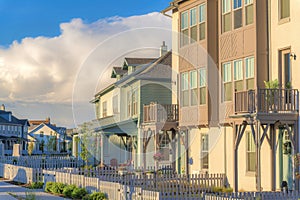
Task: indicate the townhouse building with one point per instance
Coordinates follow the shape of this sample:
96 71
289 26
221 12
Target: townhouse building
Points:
236 119
125 118
48 138
12 131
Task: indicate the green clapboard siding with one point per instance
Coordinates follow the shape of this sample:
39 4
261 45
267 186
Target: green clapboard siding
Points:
151 92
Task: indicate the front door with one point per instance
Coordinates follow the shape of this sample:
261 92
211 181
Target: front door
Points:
285 159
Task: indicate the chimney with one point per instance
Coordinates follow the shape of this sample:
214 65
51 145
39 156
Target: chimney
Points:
163 49
2 107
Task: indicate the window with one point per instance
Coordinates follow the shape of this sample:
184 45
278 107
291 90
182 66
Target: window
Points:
249 62
202 85
227 84
193 25
184 29
202 19
185 89
194 88
238 75
238 13
251 158
129 100
134 103
284 9
249 11
226 15
104 109
41 134
116 104
164 145
204 151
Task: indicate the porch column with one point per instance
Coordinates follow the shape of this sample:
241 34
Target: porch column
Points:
296 150
101 150
235 159
273 156
258 161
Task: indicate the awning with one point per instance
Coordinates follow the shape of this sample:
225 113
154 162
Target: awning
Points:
127 127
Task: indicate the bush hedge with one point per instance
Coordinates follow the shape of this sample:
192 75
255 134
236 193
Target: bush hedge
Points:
79 193
36 185
67 192
48 187
72 191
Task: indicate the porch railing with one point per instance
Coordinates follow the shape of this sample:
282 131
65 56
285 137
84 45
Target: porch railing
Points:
160 113
267 101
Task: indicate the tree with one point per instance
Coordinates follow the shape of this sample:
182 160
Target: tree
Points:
30 148
51 144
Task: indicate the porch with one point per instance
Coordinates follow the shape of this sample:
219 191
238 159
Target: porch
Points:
159 129
271 115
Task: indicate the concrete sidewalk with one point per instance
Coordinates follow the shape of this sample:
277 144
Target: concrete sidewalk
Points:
6 188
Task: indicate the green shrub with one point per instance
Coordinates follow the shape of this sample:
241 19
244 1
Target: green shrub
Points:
57 188
36 185
79 193
217 189
67 192
86 197
48 187
227 190
97 196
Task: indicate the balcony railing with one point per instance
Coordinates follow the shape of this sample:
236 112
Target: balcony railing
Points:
160 113
267 101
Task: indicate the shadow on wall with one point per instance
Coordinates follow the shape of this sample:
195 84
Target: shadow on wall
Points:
1 170
21 176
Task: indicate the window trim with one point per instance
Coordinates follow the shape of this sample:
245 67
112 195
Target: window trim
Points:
282 20
204 86
115 104
226 82
104 109
202 22
247 152
234 70
204 151
184 82
246 5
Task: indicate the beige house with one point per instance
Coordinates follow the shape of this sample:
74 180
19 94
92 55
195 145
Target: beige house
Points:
224 52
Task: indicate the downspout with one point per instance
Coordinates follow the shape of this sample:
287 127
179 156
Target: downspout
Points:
225 153
269 40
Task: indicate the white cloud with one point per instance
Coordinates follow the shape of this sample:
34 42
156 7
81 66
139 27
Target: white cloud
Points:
46 70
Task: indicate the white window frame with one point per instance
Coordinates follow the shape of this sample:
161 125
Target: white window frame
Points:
247 70
184 81
248 136
226 78
204 151
238 72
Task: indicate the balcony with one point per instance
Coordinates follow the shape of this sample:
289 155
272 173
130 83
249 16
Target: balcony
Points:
267 101
160 113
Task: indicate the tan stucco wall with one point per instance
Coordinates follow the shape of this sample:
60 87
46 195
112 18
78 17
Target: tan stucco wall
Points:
175 56
219 144
285 35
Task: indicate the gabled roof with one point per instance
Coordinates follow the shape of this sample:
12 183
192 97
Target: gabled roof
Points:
117 71
137 62
14 120
54 128
165 60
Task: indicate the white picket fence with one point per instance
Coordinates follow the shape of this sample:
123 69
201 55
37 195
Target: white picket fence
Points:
20 174
133 186
292 195
139 186
43 162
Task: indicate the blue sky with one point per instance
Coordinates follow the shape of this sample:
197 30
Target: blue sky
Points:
48 49
32 18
